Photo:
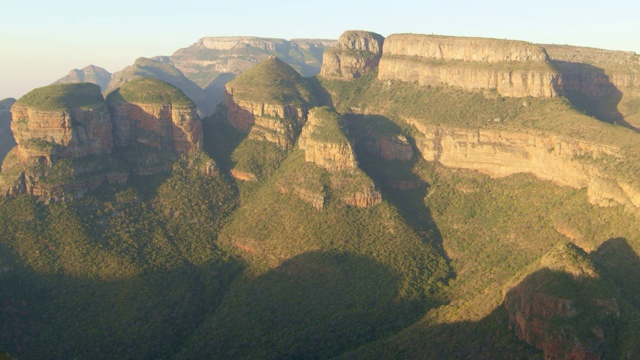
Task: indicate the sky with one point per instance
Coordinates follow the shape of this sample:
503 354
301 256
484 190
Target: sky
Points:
42 40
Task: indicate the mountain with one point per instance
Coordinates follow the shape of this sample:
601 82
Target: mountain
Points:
91 74
423 196
6 136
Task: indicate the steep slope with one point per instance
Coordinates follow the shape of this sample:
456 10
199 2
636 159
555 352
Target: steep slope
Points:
153 69
512 68
7 140
91 74
64 140
157 120
602 83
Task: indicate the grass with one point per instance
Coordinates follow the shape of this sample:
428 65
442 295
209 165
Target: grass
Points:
327 126
150 91
272 82
63 97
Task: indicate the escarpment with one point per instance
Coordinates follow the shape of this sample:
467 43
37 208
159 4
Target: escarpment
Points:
7 140
565 161
357 53
270 102
512 68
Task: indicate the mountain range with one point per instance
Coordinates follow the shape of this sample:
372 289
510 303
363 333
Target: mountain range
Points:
414 196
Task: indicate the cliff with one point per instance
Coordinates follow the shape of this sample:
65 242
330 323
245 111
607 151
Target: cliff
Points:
565 161
269 102
357 53
512 68
155 114
565 309
325 146
64 138
602 83
91 74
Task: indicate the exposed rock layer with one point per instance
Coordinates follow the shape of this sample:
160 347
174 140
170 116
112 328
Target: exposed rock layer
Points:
512 68
357 53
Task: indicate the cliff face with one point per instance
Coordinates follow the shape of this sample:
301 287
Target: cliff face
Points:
269 112
7 141
168 124
548 157
356 53
512 68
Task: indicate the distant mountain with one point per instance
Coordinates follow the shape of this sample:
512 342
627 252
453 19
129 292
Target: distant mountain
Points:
149 68
92 74
6 136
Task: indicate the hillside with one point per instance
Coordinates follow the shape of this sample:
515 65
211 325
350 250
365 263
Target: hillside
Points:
6 136
91 74
422 197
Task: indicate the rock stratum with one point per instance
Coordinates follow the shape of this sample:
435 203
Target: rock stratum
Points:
66 134
357 53
512 68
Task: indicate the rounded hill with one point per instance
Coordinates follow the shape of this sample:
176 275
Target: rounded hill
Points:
151 91
63 96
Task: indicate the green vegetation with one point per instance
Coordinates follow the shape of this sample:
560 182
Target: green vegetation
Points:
272 82
63 97
327 126
150 91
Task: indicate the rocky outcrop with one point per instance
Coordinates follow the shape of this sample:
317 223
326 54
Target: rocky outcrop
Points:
71 129
357 53
91 74
164 118
267 112
512 68
565 161
64 138
324 144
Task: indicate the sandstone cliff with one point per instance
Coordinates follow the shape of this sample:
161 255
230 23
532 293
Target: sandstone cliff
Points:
565 161
91 74
357 53
156 114
64 138
269 102
512 68
602 83
326 146
565 309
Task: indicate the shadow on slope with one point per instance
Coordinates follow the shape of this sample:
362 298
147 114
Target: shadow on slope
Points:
315 305
590 90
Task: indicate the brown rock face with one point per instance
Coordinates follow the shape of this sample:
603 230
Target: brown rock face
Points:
56 134
548 157
333 155
389 147
357 53
512 68
275 123
163 126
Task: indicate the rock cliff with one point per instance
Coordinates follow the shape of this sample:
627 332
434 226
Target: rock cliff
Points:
326 146
156 114
602 83
91 74
565 161
512 68
64 138
269 102
357 53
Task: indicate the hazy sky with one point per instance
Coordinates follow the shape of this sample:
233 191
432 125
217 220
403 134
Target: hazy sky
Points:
42 40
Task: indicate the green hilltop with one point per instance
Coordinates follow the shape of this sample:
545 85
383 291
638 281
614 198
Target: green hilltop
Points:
63 97
151 91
